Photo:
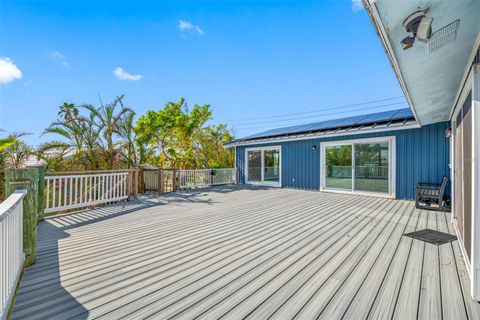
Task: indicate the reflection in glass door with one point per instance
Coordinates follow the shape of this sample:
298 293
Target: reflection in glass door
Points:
362 166
263 166
271 169
338 166
371 167
255 165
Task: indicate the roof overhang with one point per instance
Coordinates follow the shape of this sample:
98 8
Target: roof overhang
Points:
412 124
431 74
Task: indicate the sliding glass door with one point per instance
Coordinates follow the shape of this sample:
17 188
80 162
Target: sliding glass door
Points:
358 166
338 160
371 167
263 166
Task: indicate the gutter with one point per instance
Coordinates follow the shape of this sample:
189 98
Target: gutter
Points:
374 15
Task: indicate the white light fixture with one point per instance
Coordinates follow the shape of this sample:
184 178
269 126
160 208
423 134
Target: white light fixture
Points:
424 31
419 25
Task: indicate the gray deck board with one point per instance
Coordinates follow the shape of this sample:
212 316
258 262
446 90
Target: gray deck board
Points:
244 252
408 297
430 303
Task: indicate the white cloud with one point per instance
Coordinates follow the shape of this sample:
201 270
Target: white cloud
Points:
58 56
124 75
8 70
188 26
357 5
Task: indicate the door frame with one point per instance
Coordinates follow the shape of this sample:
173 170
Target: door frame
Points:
453 177
262 149
472 82
391 165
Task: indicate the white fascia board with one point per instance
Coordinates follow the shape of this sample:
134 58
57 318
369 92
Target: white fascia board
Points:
371 8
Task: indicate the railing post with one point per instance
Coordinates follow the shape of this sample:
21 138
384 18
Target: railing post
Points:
175 180
130 184
135 187
141 179
161 181
32 179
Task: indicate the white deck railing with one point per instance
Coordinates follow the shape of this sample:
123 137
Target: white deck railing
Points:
204 177
370 171
82 190
12 256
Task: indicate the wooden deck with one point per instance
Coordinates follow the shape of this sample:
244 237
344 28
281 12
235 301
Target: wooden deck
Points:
239 252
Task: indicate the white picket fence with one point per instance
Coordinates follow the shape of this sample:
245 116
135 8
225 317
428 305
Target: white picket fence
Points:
202 178
12 256
82 190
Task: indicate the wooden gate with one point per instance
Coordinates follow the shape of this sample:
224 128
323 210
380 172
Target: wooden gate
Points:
158 180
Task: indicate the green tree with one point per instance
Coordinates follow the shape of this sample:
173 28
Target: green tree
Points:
170 133
126 132
13 151
78 132
211 150
107 119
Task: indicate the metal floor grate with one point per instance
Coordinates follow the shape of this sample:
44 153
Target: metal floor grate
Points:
432 236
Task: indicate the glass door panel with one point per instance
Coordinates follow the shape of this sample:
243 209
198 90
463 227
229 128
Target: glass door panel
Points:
338 167
271 160
255 165
371 167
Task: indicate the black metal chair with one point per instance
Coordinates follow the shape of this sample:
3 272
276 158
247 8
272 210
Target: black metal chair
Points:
432 196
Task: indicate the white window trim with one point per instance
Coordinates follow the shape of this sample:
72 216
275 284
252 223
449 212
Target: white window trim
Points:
262 183
391 166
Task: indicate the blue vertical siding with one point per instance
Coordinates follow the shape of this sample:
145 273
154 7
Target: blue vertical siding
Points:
422 155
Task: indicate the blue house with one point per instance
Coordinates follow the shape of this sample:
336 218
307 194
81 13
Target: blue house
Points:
434 49
381 154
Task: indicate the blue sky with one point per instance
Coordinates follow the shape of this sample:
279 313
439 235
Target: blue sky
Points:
246 59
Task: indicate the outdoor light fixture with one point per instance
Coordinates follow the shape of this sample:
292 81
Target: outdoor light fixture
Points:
314 147
448 133
419 25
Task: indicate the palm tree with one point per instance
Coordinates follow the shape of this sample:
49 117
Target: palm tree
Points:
126 131
10 140
69 126
5 143
108 120
78 132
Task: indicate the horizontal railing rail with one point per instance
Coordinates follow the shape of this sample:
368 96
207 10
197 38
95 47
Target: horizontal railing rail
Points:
72 191
12 256
201 178
370 171
67 173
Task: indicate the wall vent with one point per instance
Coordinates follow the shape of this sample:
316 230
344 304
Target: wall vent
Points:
443 37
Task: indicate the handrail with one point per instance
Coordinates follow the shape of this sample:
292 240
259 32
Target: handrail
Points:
206 177
12 256
64 192
55 173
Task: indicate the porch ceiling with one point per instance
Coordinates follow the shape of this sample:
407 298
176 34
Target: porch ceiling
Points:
246 252
430 78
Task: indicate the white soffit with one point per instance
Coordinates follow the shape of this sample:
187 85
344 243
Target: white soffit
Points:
432 73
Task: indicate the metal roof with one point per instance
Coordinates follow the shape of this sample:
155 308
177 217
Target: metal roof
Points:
385 119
